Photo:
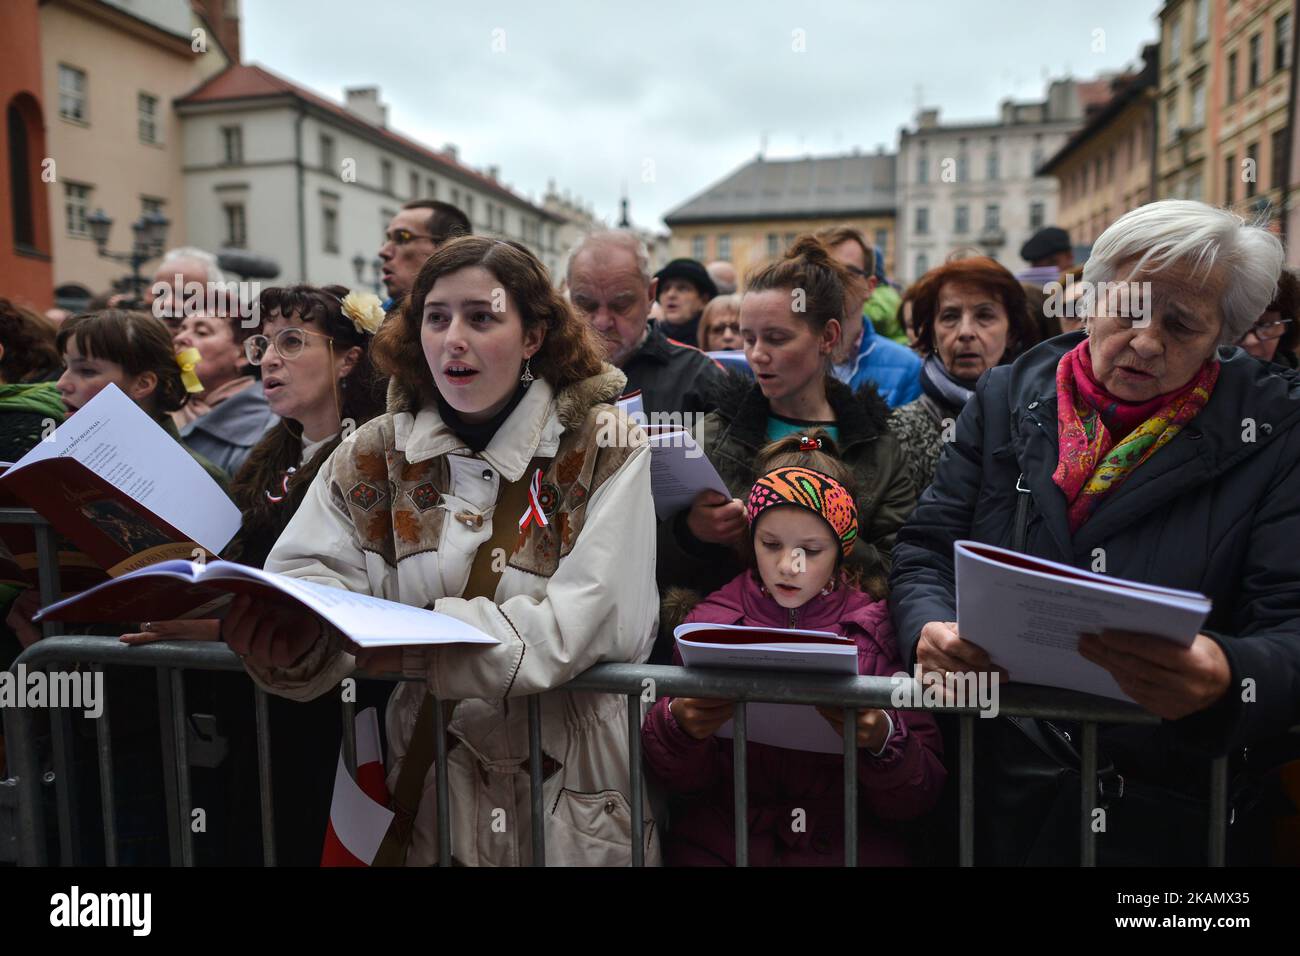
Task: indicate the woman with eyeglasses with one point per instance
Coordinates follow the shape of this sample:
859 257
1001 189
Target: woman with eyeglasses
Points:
1274 337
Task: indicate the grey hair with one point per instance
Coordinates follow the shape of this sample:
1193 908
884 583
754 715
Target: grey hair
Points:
615 237
1184 231
198 255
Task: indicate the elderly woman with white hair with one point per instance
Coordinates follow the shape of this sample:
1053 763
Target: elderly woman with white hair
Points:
1149 439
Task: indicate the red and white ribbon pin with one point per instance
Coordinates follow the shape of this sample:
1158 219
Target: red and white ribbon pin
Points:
534 512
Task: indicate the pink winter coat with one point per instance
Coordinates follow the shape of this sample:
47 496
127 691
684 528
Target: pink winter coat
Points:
901 784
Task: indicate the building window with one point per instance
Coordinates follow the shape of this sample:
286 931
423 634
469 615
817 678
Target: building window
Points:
455 198
1282 42
1202 20
1176 39
236 225
923 168
1037 214
922 265
993 166
1229 179
386 176
76 205
151 207
773 245
469 207
431 187
961 220
1232 76
20 177
327 153
882 242
147 107
1198 105
72 93
963 168
1035 161
724 247
992 217
329 217
1256 44
922 220
232 145
1252 168
697 248
414 180
1278 178
1193 186
1171 115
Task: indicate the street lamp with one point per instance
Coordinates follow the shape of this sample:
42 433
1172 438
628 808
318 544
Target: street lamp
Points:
359 267
148 236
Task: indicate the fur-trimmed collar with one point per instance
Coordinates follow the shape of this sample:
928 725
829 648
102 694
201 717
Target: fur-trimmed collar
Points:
571 404
858 417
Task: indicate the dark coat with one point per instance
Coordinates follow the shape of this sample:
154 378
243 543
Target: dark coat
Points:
732 437
1213 511
672 377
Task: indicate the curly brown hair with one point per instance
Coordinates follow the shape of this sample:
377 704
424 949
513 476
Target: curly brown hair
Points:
569 353
30 342
988 274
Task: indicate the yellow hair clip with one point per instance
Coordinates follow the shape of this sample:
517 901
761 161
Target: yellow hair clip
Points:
188 359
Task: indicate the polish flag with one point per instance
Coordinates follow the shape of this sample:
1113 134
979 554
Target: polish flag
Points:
359 814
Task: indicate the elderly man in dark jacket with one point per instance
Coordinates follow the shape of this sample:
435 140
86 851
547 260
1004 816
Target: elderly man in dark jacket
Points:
610 285
1176 460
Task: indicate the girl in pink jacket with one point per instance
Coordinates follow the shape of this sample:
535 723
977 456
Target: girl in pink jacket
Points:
802 521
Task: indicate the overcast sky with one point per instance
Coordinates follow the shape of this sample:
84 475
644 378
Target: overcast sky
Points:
667 97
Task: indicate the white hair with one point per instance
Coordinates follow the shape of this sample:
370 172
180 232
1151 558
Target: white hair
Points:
614 237
195 254
1203 237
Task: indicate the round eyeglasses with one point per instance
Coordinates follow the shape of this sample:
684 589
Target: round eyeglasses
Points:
288 343
1267 331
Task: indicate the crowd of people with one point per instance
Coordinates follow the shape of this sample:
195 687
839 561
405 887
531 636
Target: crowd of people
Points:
400 448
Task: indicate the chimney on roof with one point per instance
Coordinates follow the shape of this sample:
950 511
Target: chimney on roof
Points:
493 172
927 119
223 18
452 152
363 101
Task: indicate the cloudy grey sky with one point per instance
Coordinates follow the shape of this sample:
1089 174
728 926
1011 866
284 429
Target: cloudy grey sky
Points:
670 96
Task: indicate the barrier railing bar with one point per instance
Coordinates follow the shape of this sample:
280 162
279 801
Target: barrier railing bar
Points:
634 777
65 791
442 776
170 766
349 712
265 782
1218 836
966 793
47 571
25 769
535 758
740 784
104 747
850 787
1088 795
180 728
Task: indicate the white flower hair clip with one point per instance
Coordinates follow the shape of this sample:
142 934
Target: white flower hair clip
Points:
365 310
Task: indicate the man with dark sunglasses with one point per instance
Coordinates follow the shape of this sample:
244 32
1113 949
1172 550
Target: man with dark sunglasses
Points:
418 230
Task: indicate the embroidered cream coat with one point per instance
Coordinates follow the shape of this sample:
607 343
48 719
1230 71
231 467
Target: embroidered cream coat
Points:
395 512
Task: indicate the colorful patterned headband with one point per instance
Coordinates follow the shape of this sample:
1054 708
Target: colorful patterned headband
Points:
796 485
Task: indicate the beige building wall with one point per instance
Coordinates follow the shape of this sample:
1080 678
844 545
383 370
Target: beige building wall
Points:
121 58
1187 148
751 243
1107 174
1257 116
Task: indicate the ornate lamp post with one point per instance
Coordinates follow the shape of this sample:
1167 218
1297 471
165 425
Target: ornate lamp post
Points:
148 237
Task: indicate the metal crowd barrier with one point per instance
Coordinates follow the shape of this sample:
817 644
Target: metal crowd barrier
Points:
850 693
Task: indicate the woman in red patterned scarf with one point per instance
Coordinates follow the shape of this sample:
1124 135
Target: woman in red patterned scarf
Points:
1149 447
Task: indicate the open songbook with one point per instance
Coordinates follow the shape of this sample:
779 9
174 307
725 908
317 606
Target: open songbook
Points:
792 726
1028 614
186 589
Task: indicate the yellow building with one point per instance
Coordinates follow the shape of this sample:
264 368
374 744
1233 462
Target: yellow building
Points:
1108 167
754 214
1188 102
110 77
1253 135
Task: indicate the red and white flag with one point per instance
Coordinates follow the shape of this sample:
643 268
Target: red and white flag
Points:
359 814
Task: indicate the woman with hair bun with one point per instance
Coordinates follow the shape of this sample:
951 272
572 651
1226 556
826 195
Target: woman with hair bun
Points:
790 322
